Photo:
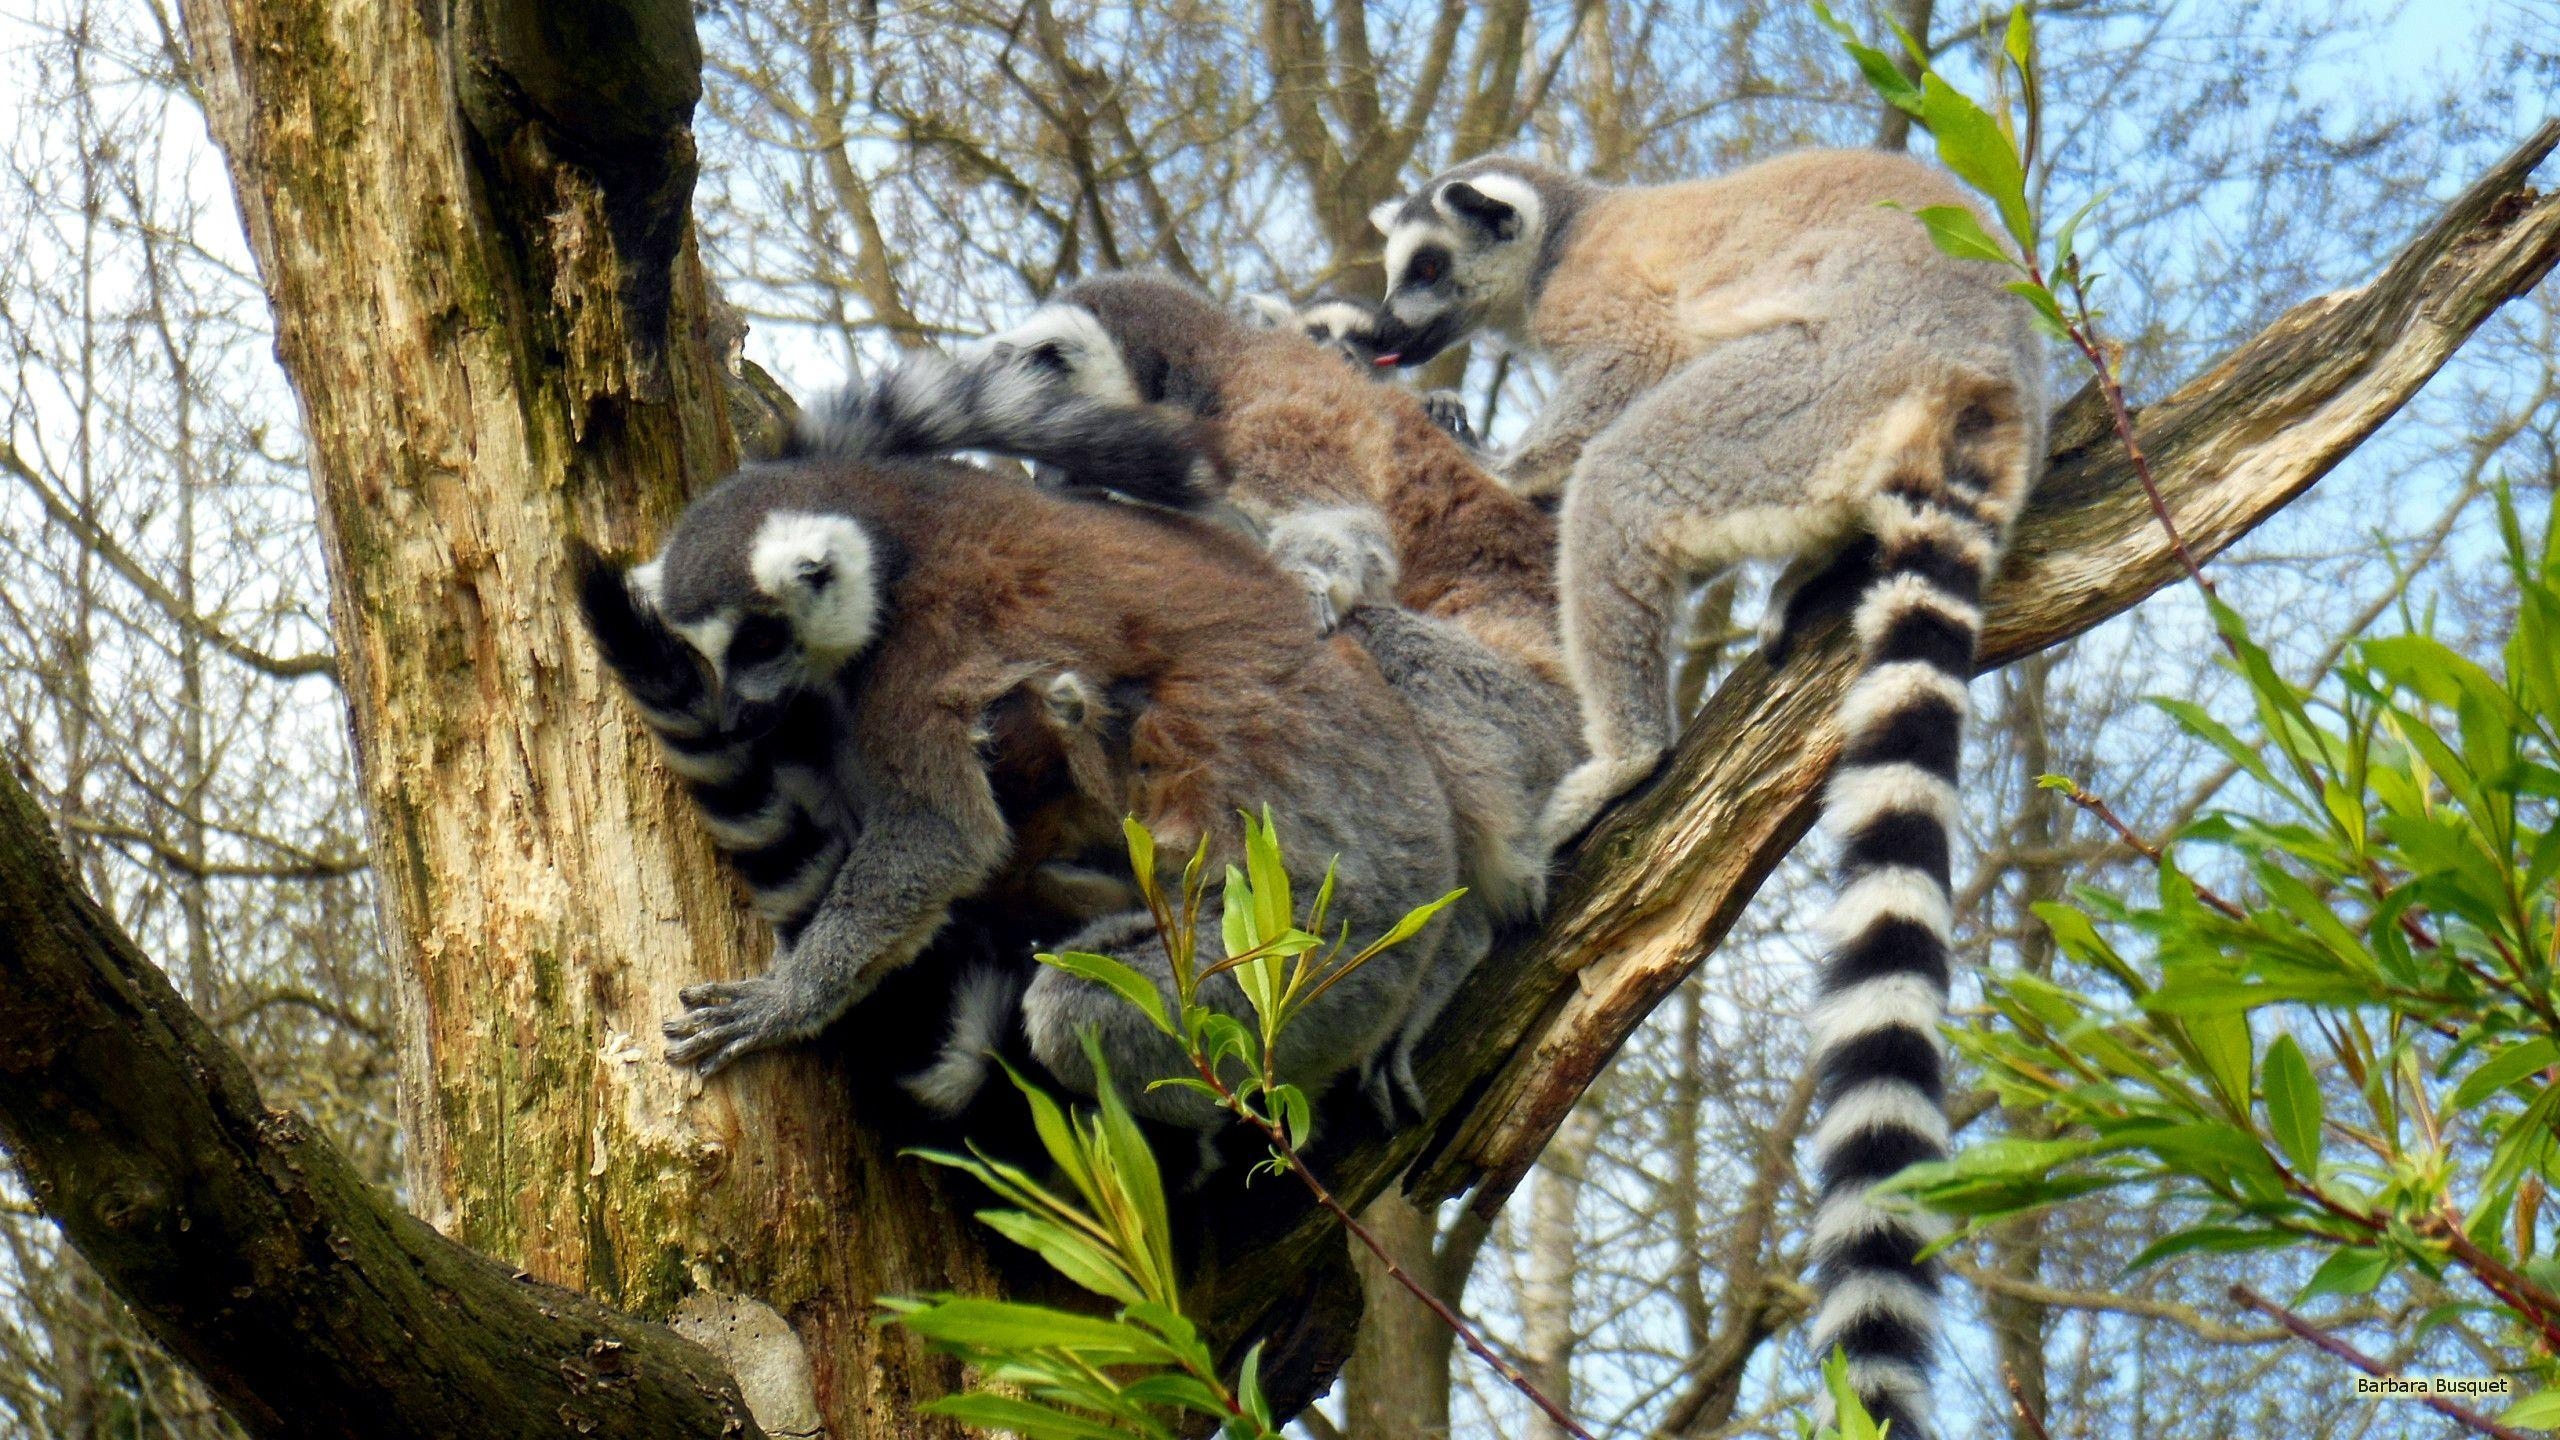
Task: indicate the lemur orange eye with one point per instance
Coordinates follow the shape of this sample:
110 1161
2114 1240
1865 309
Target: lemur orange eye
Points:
1425 268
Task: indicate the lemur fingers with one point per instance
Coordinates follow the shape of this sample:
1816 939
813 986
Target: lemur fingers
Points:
1344 556
727 1020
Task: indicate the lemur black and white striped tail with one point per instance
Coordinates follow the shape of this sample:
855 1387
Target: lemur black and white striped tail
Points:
1939 518
1012 402
760 803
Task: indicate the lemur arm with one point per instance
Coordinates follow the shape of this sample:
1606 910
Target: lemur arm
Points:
1590 392
920 847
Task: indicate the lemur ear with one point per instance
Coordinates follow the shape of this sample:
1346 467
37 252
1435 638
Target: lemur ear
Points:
1266 312
1497 218
1382 216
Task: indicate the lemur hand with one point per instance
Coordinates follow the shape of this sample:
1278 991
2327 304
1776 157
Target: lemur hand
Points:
727 1020
1448 410
1344 556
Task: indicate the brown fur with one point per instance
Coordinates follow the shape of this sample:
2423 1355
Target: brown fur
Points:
1294 428
1004 586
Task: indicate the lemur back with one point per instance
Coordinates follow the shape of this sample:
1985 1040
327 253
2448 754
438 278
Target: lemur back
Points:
1773 365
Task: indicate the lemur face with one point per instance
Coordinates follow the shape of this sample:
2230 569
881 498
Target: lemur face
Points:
1068 341
772 618
1460 256
1348 328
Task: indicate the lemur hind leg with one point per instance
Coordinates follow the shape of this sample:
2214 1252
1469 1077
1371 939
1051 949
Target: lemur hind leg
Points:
1689 482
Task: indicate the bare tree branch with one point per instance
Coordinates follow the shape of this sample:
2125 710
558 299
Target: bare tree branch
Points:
103 545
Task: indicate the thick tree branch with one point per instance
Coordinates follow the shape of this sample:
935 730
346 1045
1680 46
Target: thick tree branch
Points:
307 1301
1663 880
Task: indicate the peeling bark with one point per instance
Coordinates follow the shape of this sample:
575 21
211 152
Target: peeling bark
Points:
471 218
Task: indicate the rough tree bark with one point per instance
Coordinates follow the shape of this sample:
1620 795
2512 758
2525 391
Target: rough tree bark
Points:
471 221
309 1302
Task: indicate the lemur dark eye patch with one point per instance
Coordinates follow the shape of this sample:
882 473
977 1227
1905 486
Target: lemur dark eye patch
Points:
1427 266
759 638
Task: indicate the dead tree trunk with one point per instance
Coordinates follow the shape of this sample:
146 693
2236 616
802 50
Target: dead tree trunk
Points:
472 220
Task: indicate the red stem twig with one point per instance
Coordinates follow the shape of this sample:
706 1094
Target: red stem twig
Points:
2322 1340
1448 1314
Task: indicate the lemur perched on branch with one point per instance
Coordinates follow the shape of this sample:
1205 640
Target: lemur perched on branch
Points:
850 659
1773 365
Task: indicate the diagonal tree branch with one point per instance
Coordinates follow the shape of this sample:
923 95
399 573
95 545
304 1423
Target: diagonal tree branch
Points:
1659 885
308 1302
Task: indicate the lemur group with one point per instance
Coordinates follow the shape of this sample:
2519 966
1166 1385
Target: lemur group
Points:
1242 572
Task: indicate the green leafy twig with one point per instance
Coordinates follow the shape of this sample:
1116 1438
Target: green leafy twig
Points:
1282 968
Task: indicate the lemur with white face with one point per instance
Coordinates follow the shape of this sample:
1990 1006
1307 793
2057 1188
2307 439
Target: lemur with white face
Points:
1398 535
1773 365
836 653
1350 329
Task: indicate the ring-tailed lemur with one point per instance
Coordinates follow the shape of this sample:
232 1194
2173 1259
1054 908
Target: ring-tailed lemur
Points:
894 610
1350 329
1356 489
1773 365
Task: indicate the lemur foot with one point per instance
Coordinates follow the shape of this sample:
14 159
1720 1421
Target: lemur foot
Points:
1586 790
1344 557
727 1020
1448 410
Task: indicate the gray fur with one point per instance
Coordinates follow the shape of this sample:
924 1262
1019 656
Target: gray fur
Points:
1810 382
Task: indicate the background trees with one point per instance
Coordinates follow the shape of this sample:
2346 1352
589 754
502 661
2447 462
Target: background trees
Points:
877 175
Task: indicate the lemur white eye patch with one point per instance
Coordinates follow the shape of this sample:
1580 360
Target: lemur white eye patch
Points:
1090 357
821 568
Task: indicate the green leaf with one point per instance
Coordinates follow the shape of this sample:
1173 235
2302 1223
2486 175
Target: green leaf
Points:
2293 1105
1075 1256
2019 44
2211 1239
1851 1419
1973 145
1957 231
1116 976
2047 310
1262 865
2504 1069
2524 1145
2223 1042
1142 852
2539 1411
2353 1271
1026 1418
2068 236
1011 1325
1889 83
1412 923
